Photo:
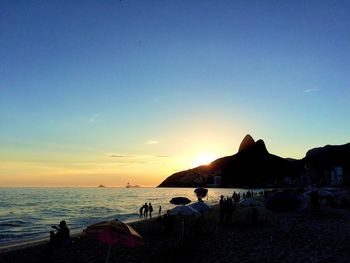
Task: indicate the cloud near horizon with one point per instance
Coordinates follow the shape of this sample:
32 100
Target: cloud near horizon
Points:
152 142
93 118
311 90
121 156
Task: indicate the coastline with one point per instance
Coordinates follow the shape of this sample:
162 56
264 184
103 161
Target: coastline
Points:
76 233
276 237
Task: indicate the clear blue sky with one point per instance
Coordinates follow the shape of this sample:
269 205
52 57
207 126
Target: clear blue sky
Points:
155 83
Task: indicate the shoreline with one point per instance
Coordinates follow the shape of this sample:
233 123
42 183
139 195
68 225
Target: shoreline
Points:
299 236
75 233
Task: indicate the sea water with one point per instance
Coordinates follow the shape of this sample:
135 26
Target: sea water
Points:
28 213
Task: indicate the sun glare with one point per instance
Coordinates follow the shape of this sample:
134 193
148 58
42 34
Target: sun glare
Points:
204 159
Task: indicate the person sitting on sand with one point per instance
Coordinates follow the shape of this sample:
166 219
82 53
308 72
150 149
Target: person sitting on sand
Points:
62 234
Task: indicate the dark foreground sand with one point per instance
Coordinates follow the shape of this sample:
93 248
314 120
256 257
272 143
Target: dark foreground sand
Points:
277 237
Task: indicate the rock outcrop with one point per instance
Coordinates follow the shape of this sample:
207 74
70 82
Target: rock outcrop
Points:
246 143
327 157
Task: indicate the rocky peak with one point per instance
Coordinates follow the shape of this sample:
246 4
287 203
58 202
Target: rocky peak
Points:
247 142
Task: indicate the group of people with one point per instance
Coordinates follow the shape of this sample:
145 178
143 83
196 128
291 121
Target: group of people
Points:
227 207
146 210
237 196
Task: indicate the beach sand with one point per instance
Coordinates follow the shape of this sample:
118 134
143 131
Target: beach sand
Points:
276 237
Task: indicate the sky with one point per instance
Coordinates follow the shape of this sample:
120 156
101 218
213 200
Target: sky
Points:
110 92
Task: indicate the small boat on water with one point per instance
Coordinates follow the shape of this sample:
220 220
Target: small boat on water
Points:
131 186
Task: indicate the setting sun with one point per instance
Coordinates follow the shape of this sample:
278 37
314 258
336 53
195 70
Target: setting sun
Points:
204 159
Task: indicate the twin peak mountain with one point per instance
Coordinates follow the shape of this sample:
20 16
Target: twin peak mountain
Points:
254 166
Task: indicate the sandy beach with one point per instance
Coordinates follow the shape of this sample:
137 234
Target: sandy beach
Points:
276 237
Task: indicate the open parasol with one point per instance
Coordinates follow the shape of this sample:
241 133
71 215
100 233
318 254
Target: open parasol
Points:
180 201
114 232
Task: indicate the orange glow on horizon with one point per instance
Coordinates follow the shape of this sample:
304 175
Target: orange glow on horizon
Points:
204 159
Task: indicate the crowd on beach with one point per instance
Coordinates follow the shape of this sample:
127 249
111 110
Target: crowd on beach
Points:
229 221
227 207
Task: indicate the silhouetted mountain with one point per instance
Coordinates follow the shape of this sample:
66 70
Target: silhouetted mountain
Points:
252 166
329 156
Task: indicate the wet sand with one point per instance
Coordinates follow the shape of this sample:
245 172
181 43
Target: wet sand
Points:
276 237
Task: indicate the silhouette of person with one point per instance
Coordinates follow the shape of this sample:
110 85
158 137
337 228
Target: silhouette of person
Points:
249 195
141 211
150 209
160 210
222 208
145 211
62 234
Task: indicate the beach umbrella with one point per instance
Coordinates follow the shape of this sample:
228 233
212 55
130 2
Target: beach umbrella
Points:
183 211
249 202
200 206
180 201
114 232
201 192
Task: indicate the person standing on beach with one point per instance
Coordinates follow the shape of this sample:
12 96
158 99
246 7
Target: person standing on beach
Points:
145 211
141 211
150 208
222 208
160 210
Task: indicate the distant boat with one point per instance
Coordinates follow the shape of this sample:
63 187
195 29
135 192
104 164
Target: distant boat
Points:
101 186
131 186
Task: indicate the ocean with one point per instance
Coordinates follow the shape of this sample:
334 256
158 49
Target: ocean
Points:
29 213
